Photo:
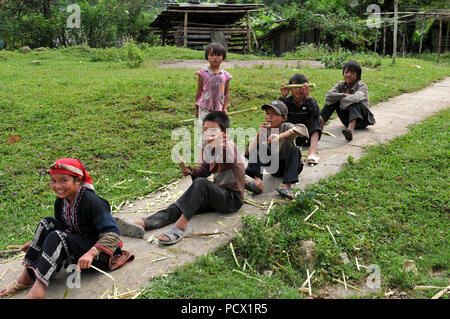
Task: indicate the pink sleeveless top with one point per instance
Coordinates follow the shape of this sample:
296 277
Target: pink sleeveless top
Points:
213 95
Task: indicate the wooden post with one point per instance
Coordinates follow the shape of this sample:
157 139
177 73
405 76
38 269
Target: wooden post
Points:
185 29
384 37
403 44
421 36
440 38
446 36
249 45
376 41
394 49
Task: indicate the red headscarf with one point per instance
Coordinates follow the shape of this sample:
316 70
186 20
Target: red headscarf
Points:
72 166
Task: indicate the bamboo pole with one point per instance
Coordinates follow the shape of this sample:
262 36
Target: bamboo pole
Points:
249 45
403 44
421 36
394 49
440 39
376 41
185 29
446 36
384 38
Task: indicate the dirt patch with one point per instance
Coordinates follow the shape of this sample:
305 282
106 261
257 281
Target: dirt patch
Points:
229 64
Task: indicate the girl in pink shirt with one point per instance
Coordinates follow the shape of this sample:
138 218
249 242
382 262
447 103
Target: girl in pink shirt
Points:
213 83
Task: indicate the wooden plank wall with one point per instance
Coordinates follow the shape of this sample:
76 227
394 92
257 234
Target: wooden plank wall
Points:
199 35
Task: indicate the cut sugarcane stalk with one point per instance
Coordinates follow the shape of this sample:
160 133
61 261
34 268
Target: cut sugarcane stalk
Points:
311 85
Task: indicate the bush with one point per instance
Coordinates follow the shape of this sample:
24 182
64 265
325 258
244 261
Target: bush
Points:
308 51
130 53
333 58
135 56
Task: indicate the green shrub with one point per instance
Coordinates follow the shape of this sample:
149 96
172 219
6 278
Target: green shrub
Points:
135 56
333 58
130 53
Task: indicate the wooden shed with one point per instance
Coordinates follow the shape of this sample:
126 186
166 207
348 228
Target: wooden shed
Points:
285 38
194 25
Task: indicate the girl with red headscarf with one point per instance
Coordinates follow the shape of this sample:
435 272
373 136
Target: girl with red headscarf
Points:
83 231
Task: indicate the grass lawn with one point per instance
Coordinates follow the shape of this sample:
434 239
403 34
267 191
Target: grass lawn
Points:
397 196
69 106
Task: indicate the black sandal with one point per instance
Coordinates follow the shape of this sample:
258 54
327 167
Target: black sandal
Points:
348 134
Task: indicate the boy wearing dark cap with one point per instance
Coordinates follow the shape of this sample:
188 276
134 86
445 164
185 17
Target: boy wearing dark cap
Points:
276 139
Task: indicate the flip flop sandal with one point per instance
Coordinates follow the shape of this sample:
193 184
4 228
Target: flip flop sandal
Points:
285 192
14 288
251 186
348 134
175 235
129 229
312 160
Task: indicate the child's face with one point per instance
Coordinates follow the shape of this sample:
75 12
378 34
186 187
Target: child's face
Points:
214 59
297 92
211 131
350 76
64 185
273 118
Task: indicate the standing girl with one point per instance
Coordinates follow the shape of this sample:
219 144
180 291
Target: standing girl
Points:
213 83
83 231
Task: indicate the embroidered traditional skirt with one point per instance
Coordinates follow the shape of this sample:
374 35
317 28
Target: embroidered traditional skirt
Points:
53 247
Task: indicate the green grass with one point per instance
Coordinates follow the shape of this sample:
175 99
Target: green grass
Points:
400 195
69 106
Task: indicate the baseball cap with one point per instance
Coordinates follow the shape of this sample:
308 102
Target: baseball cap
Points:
279 107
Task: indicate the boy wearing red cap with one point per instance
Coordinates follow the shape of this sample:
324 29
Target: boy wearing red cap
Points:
83 231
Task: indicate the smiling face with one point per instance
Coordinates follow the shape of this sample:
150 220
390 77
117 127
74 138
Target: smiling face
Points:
64 185
273 118
350 77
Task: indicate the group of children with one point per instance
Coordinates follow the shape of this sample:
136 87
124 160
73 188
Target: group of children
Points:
83 230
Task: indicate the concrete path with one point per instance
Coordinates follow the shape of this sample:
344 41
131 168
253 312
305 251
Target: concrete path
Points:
393 118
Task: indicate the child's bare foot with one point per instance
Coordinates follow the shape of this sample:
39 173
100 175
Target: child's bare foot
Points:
37 291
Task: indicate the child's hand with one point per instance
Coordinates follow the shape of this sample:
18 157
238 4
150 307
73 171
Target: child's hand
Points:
25 246
273 138
187 170
306 90
85 261
284 90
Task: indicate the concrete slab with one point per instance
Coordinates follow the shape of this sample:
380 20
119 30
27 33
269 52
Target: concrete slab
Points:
393 118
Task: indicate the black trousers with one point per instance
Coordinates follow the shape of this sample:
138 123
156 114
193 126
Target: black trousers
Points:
288 168
355 111
53 247
201 197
